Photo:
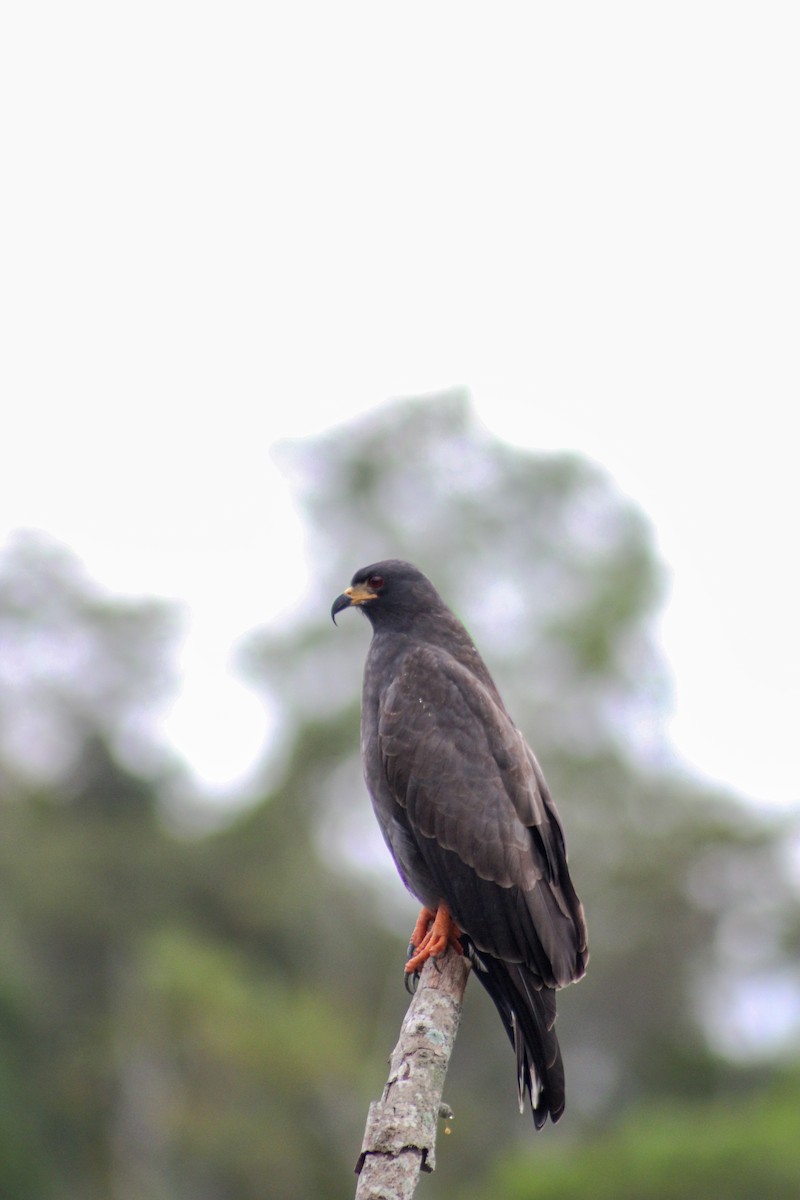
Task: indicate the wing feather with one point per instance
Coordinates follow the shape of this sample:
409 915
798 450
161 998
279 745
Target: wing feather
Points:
478 808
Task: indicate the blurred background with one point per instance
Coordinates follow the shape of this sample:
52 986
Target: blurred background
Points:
512 295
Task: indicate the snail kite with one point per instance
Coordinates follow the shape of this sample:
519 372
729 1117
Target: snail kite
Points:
467 816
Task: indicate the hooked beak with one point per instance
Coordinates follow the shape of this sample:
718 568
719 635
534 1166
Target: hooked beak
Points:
339 603
359 594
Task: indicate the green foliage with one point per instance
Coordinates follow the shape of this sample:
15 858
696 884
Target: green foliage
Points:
23 1143
733 1148
551 569
245 1064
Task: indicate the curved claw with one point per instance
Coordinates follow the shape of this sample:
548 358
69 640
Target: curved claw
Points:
410 978
433 933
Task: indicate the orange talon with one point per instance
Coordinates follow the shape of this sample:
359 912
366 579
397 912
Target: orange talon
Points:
420 932
433 933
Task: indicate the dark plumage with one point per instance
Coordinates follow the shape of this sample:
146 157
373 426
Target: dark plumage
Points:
466 813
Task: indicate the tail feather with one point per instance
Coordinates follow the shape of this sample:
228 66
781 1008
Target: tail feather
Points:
528 1012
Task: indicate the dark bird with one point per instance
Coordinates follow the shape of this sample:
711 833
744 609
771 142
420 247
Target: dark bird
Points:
467 816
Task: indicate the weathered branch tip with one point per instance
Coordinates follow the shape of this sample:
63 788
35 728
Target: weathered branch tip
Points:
400 1135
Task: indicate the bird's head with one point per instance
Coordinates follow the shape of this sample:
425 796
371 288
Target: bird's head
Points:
391 592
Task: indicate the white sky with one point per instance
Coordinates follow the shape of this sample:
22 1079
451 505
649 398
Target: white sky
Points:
225 224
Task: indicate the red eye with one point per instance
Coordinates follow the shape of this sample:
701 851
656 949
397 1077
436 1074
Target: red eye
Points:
375 582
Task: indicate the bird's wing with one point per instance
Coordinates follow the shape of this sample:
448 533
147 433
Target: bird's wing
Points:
478 809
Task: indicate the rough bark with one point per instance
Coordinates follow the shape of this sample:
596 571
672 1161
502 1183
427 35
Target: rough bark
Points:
400 1137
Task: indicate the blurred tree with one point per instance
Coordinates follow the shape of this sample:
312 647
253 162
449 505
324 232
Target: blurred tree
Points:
545 562
76 666
554 573
170 1019
81 849
670 1153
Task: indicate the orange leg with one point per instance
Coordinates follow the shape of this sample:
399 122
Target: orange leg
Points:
433 933
426 915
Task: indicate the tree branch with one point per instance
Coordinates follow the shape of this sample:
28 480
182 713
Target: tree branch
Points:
400 1137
